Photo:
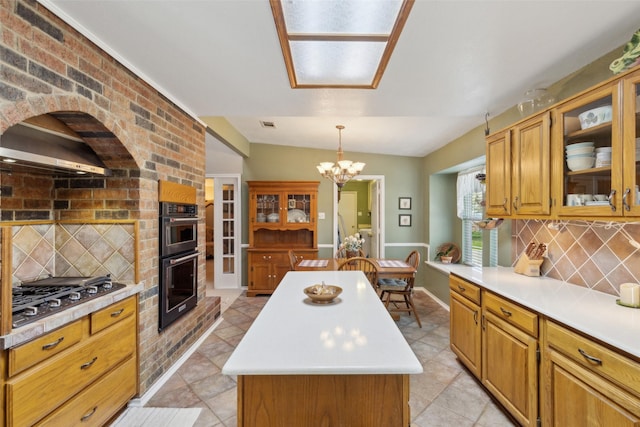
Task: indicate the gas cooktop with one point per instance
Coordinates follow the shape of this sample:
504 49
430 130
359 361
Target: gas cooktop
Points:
41 298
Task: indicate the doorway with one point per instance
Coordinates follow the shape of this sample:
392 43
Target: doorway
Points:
369 217
225 210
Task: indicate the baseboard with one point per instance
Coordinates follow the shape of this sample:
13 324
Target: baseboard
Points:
142 400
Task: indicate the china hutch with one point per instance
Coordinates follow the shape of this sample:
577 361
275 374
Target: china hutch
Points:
282 217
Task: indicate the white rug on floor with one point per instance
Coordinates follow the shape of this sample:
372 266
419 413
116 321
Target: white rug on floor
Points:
157 417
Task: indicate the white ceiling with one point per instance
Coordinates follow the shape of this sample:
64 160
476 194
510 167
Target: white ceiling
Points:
454 61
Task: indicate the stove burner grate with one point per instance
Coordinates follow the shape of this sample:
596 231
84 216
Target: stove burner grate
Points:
35 300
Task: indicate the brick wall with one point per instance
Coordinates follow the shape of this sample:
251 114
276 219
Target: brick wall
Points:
46 67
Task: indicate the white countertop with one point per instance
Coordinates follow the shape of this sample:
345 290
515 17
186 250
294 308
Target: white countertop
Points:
47 324
592 312
291 335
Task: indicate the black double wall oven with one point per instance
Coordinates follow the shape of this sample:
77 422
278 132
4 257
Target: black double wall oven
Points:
178 290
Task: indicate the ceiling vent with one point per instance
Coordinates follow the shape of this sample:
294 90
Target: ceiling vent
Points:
269 125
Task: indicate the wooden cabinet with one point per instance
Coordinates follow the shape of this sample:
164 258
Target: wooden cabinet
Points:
509 356
530 185
267 268
586 383
498 180
519 170
465 315
57 378
604 178
497 340
527 171
282 216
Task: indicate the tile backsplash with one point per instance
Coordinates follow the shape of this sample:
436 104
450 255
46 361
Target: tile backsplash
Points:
71 249
594 254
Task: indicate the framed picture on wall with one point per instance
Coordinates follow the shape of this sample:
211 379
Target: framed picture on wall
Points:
404 220
404 203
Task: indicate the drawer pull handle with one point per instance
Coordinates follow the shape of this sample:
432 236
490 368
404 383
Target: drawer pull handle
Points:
117 313
590 358
505 312
475 316
88 415
461 288
52 344
88 364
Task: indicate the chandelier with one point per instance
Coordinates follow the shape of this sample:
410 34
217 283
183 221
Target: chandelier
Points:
343 170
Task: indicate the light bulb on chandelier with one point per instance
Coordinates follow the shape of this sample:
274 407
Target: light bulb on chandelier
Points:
343 170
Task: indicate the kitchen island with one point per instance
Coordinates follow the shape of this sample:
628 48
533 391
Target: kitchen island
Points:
344 363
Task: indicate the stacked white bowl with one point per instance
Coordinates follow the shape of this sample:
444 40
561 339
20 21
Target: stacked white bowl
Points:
580 156
603 157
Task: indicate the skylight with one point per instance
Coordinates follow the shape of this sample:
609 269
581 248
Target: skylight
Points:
338 43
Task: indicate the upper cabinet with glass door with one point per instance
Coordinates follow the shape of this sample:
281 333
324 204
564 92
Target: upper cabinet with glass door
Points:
588 154
631 144
281 206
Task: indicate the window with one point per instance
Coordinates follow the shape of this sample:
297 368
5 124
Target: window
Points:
476 243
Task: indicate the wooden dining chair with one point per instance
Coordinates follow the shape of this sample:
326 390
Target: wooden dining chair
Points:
390 288
365 265
293 260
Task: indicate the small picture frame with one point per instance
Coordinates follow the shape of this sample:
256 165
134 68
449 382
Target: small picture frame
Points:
404 203
292 203
404 220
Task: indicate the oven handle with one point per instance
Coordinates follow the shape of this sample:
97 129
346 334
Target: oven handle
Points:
190 219
184 258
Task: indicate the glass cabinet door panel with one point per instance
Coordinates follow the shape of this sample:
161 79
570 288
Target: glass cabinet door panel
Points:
298 207
591 153
631 137
268 208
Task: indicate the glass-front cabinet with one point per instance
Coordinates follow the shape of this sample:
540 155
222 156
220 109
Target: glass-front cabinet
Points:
631 144
282 217
588 154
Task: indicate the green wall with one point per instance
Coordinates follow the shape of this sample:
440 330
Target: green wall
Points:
402 178
429 181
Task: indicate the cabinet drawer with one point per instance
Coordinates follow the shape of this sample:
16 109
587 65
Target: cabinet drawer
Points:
112 314
512 313
270 257
43 347
464 288
31 395
621 370
95 405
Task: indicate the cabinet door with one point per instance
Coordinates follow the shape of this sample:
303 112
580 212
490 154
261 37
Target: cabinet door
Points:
267 208
631 145
498 181
466 337
594 188
531 166
259 274
576 397
510 368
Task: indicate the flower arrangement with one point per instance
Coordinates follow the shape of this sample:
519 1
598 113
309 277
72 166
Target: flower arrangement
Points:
352 243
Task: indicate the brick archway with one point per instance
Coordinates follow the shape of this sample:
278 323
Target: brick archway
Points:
98 128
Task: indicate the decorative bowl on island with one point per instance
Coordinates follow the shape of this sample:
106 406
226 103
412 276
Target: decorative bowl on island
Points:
322 294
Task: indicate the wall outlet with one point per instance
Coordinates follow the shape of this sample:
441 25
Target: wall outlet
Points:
320 215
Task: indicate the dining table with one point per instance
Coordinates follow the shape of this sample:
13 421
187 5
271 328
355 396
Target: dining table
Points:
387 268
